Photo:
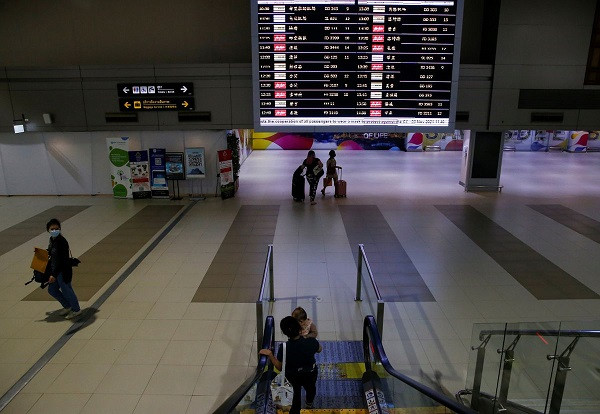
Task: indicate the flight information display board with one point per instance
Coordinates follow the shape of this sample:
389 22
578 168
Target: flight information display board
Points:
349 65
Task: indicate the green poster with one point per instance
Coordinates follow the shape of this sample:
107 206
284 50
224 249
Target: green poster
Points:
120 173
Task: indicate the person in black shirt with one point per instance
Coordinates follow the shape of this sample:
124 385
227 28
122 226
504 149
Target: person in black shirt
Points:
314 172
61 272
301 368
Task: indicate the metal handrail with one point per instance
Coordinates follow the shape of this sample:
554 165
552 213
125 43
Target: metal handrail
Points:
372 342
561 359
362 256
587 333
268 342
267 273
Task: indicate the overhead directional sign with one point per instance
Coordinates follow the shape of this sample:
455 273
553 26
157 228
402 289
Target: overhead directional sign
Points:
158 103
126 90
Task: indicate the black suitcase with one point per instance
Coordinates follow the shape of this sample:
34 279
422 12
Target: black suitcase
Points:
298 184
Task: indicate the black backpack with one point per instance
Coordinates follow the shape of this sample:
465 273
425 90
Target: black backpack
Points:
41 278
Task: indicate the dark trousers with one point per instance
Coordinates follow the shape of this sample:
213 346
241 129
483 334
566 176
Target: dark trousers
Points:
313 183
308 381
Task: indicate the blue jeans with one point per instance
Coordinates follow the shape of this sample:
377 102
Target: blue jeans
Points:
64 293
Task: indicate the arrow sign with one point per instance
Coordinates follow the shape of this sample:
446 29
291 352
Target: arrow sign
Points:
156 103
147 90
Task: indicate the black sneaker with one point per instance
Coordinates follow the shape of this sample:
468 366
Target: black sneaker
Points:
309 405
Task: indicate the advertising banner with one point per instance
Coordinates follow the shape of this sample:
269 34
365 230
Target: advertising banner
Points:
518 140
443 141
140 174
578 141
559 140
194 163
174 165
541 140
594 141
226 173
414 142
120 173
386 141
158 173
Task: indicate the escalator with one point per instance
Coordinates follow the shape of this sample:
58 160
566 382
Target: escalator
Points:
354 377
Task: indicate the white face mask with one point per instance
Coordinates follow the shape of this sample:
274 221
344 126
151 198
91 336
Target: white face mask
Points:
54 233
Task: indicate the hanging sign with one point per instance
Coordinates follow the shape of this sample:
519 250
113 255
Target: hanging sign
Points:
120 173
226 173
158 173
140 174
126 90
195 166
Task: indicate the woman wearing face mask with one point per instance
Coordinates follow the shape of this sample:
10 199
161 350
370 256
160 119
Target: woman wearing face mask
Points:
61 272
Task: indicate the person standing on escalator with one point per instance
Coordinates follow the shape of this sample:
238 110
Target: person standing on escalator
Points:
300 366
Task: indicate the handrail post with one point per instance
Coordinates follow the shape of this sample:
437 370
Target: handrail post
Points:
271 275
509 358
359 273
259 326
380 307
560 379
478 377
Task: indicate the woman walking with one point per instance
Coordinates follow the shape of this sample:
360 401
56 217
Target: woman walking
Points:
314 171
331 176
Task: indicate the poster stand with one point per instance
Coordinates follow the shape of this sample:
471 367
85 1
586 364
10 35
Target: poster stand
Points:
196 196
176 194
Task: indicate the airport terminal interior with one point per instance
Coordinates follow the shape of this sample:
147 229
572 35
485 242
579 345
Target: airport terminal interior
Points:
176 292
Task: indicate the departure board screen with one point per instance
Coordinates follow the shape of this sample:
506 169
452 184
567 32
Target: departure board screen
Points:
349 65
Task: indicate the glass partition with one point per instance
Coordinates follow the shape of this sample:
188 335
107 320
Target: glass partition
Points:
547 367
485 365
577 369
526 370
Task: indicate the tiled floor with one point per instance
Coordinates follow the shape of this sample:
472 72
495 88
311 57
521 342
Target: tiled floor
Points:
237 268
397 278
26 230
542 278
151 348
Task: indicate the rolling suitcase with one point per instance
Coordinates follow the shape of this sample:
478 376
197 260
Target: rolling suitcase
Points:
340 188
298 184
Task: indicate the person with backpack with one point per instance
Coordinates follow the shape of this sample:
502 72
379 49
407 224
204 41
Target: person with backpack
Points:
61 272
314 172
300 365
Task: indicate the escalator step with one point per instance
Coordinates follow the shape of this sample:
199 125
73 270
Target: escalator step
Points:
340 351
334 394
337 351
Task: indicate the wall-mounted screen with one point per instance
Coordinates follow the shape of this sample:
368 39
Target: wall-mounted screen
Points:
355 65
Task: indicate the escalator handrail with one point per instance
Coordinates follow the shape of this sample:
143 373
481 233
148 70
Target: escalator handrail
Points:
230 403
588 333
371 336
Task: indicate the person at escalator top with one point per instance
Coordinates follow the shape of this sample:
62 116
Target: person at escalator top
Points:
301 368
